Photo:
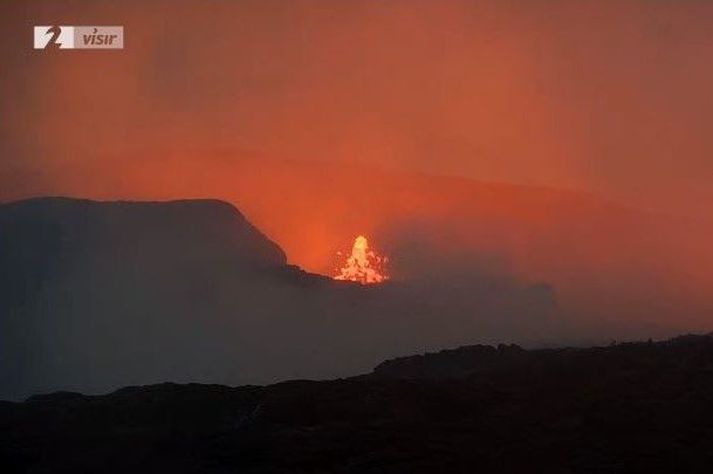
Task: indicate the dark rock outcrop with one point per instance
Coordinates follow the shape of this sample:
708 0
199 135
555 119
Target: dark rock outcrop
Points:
638 407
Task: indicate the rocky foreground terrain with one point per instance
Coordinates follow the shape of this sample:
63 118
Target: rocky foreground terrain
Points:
634 407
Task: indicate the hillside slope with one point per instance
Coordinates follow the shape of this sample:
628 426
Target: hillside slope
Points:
637 407
98 295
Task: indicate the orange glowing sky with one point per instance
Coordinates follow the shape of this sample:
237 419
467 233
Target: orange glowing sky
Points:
612 97
322 120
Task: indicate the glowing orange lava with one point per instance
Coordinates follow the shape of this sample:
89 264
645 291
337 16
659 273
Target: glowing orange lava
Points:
363 265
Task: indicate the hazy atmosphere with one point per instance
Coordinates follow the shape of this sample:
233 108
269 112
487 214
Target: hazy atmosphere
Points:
558 145
609 97
356 236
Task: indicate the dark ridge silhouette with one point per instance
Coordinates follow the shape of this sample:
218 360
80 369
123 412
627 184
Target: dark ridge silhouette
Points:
478 360
43 238
634 407
99 295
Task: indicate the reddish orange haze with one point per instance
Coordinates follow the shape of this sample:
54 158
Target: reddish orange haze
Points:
401 121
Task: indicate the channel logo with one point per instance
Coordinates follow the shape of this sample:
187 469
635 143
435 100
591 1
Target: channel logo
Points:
79 37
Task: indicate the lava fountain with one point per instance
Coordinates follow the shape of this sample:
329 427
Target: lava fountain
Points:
364 265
